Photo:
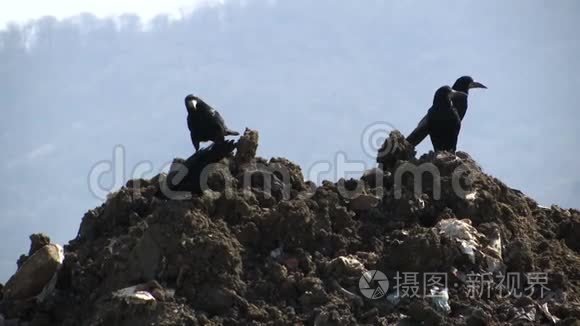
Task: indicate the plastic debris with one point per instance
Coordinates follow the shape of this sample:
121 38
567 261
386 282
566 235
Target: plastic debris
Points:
527 313
440 299
133 295
469 240
493 253
461 231
544 309
471 195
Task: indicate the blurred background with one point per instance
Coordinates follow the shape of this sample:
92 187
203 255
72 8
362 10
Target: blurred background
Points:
79 78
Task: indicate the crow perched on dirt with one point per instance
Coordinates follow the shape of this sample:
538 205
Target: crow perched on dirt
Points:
462 84
187 175
204 122
443 121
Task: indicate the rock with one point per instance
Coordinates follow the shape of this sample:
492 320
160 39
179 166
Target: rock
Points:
478 318
292 173
247 147
37 241
423 313
519 257
570 231
145 258
364 202
395 148
428 252
216 300
35 273
374 177
345 267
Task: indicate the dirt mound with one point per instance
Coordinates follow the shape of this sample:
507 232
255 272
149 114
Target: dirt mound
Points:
237 240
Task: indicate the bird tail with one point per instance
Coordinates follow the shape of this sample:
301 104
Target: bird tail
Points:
231 133
420 132
417 136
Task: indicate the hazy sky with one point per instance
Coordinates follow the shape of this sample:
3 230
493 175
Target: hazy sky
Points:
310 76
23 10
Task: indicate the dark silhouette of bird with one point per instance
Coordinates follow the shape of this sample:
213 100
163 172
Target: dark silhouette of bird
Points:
443 121
462 84
205 123
187 175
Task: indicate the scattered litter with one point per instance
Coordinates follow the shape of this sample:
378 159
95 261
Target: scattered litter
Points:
469 240
462 232
527 313
440 299
471 195
132 295
421 203
493 253
494 246
544 309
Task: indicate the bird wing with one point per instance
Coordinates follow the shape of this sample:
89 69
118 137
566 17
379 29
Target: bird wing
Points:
220 121
460 105
420 132
191 122
217 118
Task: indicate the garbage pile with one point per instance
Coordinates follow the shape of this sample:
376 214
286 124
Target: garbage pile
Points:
430 240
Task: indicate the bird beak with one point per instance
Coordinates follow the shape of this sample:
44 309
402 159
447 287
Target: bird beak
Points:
475 84
455 95
194 104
